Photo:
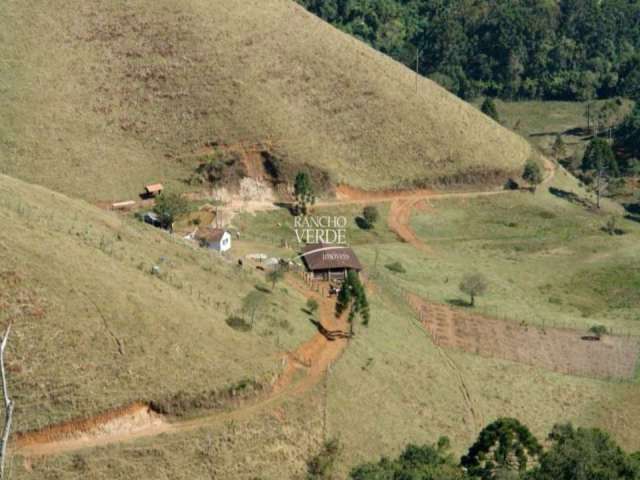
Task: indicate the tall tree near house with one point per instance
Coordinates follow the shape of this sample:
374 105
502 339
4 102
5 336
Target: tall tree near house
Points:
169 206
353 297
303 191
473 285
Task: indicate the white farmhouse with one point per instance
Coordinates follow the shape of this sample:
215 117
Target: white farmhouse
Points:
214 238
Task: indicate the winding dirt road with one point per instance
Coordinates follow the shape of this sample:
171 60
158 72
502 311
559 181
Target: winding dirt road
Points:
138 420
313 357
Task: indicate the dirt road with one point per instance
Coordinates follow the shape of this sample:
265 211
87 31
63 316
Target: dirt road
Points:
136 421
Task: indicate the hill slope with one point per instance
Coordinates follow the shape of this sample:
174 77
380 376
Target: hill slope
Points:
94 329
99 98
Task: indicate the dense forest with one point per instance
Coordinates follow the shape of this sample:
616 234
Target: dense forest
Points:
513 49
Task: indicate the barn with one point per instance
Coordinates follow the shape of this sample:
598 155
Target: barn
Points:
330 262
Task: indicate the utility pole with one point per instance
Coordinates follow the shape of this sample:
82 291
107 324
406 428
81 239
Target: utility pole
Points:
8 404
417 68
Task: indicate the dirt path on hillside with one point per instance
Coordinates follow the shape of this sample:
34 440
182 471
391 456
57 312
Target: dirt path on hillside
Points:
403 203
474 412
304 368
399 221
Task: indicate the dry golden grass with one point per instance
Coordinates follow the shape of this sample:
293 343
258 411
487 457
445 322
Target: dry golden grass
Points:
99 98
94 329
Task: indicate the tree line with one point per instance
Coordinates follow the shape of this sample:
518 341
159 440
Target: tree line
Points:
512 49
504 450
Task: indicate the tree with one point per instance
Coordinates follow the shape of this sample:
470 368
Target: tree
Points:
489 108
169 206
473 285
628 134
312 305
303 191
599 156
584 454
532 173
252 303
419 462
370 215
274 276
598 330
600 161
352 296
559 148
503 446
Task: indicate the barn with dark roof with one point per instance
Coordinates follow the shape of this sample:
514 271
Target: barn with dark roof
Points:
330 262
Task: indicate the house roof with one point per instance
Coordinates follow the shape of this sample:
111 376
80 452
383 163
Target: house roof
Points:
210 234
319 256
154 187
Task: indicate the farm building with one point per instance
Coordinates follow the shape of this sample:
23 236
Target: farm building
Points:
213 238
152 190
330 262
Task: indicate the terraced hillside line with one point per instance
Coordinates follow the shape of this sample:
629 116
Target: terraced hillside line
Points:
313 357
560 350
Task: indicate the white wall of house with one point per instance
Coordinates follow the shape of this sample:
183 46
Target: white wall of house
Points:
223 244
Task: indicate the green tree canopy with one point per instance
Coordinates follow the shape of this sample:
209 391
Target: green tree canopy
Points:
532 172
416 462
584 454
599 157
169 206
303 191
628 134
502 446
353 296
563 50
489 108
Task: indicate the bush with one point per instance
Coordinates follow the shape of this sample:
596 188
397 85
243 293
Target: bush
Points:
238 323
532 172
312 305
370 214
489 108
396 267
598 330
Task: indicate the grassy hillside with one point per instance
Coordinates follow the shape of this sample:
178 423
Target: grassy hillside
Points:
95 329
98 98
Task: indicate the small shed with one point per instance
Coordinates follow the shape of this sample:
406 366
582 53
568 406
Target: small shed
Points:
214 238
152 190
330 262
